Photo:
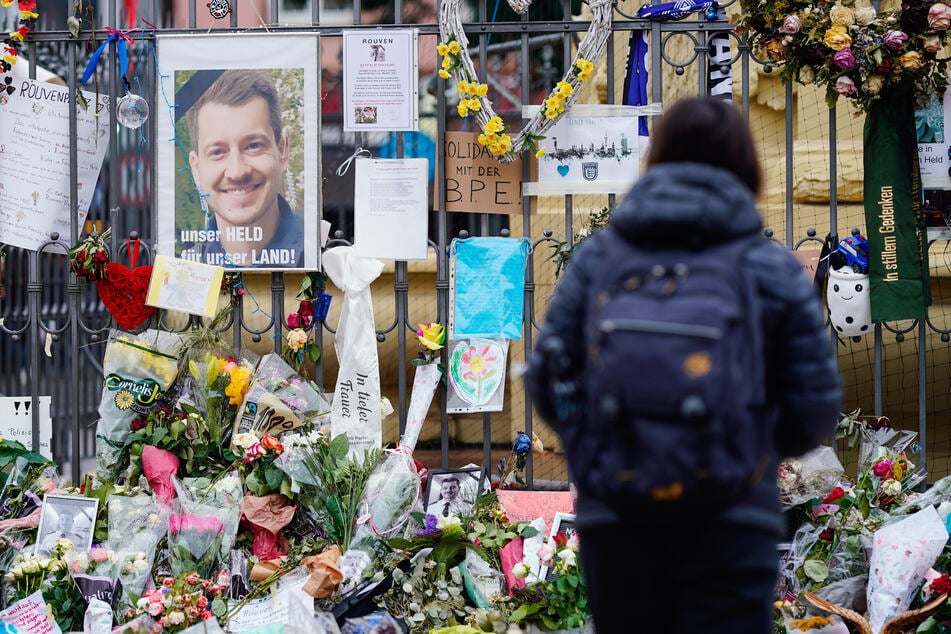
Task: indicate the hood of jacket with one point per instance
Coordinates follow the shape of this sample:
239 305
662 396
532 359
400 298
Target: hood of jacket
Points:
688 204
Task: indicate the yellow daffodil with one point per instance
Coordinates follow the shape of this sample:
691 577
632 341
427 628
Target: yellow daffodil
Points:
475 105
444 73
462 109
540 153
454 47
483 90
463 87
442 50
446 62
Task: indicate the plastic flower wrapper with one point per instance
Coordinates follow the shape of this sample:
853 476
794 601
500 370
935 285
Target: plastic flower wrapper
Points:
279 400
138 369
812 475
137 523
331 484
194 542
902 553
391 493
833 546
160 467
31 476
888 466
265 517
220 498
94 571
218 384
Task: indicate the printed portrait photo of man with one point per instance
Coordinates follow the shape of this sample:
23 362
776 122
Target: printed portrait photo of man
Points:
241 212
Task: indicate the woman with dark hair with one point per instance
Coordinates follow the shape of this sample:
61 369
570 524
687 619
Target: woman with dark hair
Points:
714 572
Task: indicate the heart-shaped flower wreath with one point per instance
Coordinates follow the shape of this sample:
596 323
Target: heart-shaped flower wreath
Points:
474 101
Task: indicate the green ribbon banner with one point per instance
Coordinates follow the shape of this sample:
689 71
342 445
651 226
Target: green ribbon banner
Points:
899 284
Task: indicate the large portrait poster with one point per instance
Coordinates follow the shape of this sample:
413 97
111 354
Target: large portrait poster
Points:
239 152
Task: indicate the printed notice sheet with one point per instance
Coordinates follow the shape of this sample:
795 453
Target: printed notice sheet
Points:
390 208
381 80
34 160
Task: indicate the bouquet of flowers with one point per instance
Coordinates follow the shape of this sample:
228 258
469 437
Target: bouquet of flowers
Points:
331 484
221 497
559 601
219 387
280 400
138 369
886 471
182 601
94 571
855 52
261 473
26 574
193 543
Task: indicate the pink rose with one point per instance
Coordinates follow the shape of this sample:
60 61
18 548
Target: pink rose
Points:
895 39
939 16
99 555
293 320
845 86
882 468
791 24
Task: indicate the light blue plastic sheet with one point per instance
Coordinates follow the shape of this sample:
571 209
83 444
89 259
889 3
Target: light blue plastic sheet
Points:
489 289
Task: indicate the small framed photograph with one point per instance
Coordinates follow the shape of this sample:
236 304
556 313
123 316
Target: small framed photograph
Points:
71 517
453 492
563 523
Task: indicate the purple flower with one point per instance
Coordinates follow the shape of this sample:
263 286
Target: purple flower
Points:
844 59
895 39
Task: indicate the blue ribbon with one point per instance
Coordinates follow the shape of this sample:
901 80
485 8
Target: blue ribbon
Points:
123 57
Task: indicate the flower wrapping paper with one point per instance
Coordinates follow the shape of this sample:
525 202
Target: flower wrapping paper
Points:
902 552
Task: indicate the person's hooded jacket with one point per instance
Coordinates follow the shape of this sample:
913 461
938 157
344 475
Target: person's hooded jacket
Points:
694 205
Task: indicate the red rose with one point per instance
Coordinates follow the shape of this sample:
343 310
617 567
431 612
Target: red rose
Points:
834 495
941 585
827 535
561 540
138 423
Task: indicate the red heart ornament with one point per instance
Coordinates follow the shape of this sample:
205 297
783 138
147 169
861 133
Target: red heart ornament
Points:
123 291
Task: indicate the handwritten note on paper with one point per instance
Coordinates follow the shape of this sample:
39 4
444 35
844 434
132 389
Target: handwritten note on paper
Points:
183 285
30 616
34 160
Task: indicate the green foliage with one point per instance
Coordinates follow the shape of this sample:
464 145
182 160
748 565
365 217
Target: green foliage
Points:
342 481
564 250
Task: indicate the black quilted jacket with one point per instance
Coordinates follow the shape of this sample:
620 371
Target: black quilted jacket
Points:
693 204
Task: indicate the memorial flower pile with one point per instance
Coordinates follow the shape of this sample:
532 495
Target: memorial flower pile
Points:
198 520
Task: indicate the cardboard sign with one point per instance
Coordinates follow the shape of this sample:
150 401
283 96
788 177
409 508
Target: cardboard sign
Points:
477 182
16 422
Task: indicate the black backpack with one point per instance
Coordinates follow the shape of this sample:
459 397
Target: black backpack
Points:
674 379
